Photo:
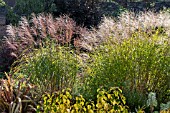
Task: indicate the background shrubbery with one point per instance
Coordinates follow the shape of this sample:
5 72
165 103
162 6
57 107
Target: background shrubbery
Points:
84 12
27 7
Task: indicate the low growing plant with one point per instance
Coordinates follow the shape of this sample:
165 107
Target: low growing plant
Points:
63 102
152 101
165 108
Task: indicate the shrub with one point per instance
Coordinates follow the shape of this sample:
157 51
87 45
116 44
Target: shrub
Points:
84 12
31 34
50 68
139 64
62 102
27 7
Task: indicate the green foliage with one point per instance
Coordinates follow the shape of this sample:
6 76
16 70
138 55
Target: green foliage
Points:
27 7
152 99
165 107
12 17
136 100
56 103
2 3
152 102
62 102
51 67
111 101
1 75
140 64
165 10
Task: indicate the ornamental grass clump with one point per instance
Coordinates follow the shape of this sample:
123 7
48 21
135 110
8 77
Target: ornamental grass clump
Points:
51 67
127 23
17 95
140 64
32 33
